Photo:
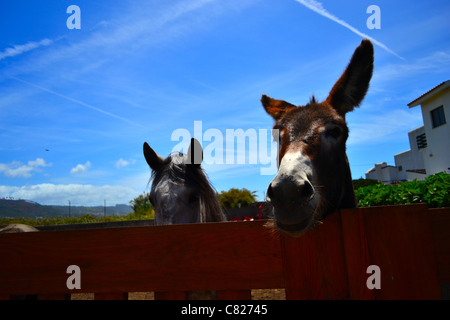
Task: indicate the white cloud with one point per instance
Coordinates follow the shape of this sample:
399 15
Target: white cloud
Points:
59 194
80 168
39 162
317 7
123 163
16 169
22 48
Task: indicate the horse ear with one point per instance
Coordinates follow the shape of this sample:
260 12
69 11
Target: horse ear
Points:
275 108
154 160
349 91
195 153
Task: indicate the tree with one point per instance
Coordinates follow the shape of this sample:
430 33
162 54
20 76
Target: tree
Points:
142 206
235 197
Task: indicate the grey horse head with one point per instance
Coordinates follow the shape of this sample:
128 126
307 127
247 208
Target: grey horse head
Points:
180 191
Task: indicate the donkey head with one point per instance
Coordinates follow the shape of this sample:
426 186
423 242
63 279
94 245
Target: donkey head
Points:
180 191
313 176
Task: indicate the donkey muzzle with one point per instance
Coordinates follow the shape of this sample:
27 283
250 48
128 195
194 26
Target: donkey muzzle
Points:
292 194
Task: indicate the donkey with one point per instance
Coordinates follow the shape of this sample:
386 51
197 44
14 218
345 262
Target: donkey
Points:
181 193
313 178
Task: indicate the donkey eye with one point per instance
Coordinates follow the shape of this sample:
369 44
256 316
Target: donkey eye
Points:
334 133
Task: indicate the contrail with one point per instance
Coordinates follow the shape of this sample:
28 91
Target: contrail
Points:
79 102
22 48
318 8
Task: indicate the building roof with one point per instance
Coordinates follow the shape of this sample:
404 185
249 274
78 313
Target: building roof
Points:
381 165
429 93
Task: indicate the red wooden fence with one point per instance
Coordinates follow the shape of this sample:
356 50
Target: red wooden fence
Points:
410 245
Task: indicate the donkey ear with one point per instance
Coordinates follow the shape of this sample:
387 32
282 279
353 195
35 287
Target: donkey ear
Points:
275 108
349 91
195 153
153 159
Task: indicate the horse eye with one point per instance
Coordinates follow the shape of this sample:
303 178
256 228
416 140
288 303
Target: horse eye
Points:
334 133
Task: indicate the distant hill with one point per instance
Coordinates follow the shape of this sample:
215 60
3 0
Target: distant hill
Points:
29 209
24 209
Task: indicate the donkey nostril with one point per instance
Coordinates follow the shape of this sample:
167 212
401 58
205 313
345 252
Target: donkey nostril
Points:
287 191
269 196
274 193
307 191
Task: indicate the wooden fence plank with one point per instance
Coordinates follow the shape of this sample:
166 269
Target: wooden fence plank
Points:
314 266
234 295
356 254
397 239
170 295
142 259
440 226
111 296
55 296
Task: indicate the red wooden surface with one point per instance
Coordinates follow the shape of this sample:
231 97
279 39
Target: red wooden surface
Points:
53 296
221 295
216 256
397 239
234 295
357 256
170 295
315 265
440 228
111 296
410 244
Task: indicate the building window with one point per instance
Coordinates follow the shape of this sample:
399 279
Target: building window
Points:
421 140
438 117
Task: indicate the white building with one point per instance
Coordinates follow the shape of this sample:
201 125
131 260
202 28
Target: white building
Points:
383 173
430 143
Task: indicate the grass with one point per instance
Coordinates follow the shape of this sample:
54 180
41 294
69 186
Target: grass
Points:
87 218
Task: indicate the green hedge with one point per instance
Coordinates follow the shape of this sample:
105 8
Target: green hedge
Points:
434 191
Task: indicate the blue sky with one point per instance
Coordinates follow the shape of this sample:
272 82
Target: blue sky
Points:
138 70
